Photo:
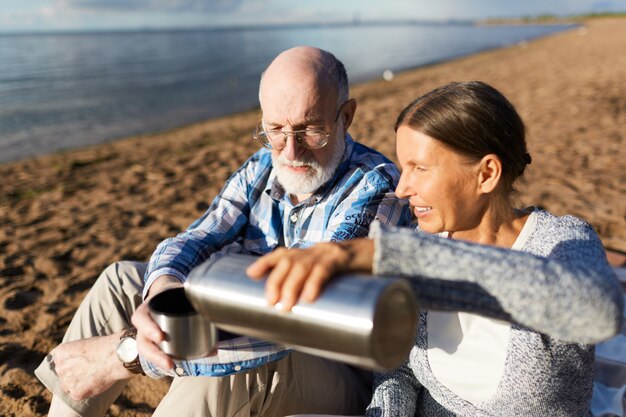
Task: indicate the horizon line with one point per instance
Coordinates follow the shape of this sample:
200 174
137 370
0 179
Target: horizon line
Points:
551 19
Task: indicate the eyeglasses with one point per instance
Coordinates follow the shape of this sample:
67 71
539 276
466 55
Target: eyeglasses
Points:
308 138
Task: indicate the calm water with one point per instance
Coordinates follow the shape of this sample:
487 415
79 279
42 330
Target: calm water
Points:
68 90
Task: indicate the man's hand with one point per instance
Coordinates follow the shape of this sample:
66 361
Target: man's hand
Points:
88 367
301 273
149 335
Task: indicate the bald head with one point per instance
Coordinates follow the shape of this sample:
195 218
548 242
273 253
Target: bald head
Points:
306 90
312 69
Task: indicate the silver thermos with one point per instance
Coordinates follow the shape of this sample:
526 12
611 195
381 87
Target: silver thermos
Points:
358 319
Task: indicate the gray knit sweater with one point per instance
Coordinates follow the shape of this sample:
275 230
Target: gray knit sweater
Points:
558 291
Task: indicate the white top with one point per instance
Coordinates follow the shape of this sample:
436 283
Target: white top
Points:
467 352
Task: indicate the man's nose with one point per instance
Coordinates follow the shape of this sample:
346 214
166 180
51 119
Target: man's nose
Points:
292 149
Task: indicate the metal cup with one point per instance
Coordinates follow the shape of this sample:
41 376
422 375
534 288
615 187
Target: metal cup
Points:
189 335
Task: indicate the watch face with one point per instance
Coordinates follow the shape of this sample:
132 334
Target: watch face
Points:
127 350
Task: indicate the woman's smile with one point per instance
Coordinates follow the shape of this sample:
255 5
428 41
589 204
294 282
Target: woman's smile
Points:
421 211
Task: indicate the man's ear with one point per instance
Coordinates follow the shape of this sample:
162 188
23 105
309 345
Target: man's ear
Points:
349 108
489 174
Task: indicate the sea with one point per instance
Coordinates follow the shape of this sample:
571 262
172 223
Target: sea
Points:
60 91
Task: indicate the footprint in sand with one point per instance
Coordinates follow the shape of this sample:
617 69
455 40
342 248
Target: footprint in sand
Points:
55 306
3 330
13 391
23 298
15 355
37 402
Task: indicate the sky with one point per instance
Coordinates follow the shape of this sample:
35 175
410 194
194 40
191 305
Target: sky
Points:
50 15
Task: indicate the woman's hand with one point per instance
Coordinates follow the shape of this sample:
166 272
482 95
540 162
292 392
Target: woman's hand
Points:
301 273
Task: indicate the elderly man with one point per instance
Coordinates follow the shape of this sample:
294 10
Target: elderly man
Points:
311 182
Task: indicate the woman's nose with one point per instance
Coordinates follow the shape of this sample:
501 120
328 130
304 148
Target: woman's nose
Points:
402 190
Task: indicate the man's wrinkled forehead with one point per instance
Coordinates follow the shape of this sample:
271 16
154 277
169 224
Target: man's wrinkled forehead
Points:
293 83
297 102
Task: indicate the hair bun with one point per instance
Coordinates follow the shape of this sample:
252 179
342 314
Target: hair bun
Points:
527 158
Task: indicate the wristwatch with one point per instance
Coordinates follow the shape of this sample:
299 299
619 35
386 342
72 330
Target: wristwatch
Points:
127 353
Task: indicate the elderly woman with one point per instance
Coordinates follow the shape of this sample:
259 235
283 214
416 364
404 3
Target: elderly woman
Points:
511 299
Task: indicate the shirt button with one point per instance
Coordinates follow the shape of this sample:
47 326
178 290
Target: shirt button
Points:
179 371
238 368
293 218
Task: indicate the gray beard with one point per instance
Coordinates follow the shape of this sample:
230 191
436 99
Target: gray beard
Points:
317 176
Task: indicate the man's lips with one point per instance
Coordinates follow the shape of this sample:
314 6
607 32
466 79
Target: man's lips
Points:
298 169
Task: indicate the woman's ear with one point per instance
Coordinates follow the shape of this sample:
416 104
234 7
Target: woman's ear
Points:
489 174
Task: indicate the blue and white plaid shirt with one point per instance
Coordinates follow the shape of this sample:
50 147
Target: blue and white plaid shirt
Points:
253 215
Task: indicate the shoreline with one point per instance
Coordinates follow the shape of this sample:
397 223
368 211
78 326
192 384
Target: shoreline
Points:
24 150
66 216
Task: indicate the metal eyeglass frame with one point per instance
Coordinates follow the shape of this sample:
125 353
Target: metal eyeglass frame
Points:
260 134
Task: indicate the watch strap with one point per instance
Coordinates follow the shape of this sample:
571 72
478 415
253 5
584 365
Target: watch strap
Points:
135 365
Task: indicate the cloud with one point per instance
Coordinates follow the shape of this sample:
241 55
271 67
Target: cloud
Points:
11 19
42 18
608 6
206 6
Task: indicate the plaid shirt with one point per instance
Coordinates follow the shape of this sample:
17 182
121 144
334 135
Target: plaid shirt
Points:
253 215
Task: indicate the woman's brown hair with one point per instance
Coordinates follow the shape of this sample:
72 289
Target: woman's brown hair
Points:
474 119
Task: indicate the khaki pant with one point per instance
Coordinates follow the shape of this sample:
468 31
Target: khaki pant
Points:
298 383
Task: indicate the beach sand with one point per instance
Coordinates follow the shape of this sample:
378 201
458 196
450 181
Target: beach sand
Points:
65 217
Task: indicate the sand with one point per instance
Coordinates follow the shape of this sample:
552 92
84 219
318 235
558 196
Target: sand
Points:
65 217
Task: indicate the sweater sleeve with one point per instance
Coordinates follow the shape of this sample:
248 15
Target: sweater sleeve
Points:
395 394
560 285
